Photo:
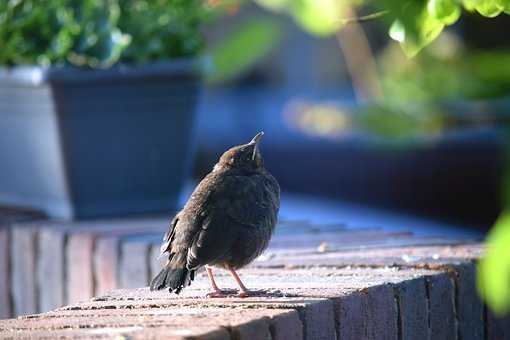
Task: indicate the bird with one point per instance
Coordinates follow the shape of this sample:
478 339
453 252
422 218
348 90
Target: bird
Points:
226 223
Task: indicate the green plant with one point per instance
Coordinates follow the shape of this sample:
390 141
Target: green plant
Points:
413 23
99 33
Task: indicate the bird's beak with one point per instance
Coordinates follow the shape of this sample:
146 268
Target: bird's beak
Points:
257 138
255 141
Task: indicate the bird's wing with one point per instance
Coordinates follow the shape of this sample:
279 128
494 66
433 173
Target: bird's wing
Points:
169 235
215 238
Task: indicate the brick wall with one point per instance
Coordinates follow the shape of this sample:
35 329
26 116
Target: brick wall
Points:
318 282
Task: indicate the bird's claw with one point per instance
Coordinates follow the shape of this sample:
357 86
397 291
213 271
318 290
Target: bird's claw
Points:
244 294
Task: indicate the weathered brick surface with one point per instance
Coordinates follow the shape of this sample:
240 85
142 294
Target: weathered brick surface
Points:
382 313
5 274
257 329
50 268
286 325
371 309
469 308
498 328
351 313
106 264
318 320
13 215
23 270
412 302
441 292
305 292
134 265
155 262
214 334
80 279
412 256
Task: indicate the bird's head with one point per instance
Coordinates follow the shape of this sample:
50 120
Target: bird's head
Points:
246 156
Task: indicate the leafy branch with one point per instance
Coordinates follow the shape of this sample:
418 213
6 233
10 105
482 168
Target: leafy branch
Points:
413 23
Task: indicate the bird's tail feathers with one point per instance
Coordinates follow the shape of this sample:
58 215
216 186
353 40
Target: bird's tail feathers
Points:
175 279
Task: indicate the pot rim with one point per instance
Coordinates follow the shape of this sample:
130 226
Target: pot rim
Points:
33 75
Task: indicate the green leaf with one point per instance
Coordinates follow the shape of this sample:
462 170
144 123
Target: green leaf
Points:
489 8
505 4
494 268
319 17
397 31
448 11
415 29
241 50
470 5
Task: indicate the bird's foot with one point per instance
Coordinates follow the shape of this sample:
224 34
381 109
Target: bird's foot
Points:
244 294
217 294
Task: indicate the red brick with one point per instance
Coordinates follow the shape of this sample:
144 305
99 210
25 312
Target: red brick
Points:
23 259
50 268
469 307
257 329
286 325
441 292
309 240
205 333
134 265
318 320
217 334
498 328
156 263
413 309
117 227
5 274
350 316
382 313
420 255
80 279
106 264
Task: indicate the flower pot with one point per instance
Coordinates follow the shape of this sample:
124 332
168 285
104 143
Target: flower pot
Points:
88 143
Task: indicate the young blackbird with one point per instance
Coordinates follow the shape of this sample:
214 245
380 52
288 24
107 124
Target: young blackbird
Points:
227 222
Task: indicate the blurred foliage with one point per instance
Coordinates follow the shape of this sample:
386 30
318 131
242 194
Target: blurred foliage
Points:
413 23
320 17
416 23
328 120
446 71
248 43
397 124
494 268
422 95
400 120
99 33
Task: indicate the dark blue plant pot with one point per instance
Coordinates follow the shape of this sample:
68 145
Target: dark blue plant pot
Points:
88 143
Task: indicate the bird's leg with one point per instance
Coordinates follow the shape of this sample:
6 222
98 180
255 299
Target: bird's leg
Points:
243 291
216 292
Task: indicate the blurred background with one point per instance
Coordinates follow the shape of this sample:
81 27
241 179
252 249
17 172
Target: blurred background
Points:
389 114
351 113
349 116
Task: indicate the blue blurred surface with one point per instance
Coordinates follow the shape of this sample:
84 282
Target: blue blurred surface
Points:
454 177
